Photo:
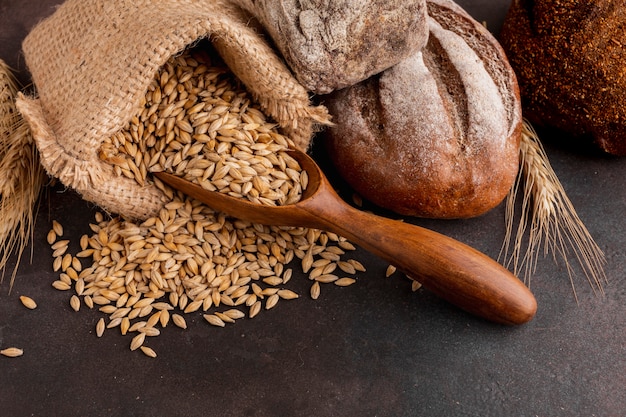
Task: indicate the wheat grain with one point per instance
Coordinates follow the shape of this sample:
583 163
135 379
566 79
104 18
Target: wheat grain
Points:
179 321
346 267
137 341
315 290
150 331
271 301
154 319
224 317
255 309
66 260
345 245
28 302
114 323
214 320
56 264
60 244
64 278
344 282
148 351
273 280
51 237
12 352
124 325
61 286
100 326
234 314
358 266
326 278
135 327
75 303
57 227
287 294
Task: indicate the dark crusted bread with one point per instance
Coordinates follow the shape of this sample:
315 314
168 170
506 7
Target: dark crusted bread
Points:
570 59
438 134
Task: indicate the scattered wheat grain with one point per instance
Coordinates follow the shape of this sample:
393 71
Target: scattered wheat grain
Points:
137 341
315 290
148 351
12 352
255 309
287 294
57 228
214 320
61 286
75 303
52 237
100 326
179 321
28 302
344 282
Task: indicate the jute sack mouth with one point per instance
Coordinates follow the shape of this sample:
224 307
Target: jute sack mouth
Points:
92 61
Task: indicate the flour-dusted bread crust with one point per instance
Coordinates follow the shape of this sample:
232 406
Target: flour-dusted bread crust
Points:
334 44
438 134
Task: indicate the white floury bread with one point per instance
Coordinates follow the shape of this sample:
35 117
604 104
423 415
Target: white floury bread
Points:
438 134
334 44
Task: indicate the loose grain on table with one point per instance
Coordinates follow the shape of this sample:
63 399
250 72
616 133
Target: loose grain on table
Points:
189 259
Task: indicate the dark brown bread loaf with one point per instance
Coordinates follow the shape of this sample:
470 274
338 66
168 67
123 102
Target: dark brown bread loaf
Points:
438 134
570 57
334 44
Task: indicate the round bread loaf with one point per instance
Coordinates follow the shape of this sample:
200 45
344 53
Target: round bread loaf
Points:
334 44
569 56
438 134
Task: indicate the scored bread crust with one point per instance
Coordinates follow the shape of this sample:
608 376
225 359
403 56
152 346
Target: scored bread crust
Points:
438 134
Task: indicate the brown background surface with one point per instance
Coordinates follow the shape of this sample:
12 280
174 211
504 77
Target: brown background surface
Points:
374 349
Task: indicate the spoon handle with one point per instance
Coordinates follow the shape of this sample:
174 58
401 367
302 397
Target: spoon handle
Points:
452 270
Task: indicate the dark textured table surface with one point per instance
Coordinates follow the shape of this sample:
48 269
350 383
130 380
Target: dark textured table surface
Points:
373 349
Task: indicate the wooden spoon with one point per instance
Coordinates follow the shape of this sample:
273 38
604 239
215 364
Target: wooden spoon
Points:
454 271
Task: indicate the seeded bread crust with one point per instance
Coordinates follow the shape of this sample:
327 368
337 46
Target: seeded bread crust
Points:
438 134
569 56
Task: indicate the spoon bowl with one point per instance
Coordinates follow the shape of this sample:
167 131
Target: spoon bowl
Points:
454 271
297 215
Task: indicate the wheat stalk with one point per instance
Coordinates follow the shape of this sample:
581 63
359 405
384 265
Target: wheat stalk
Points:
550 219
22 175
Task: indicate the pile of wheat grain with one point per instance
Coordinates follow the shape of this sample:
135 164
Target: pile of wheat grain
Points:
198 122
189 259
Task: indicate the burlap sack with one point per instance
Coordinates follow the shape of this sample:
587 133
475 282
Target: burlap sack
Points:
92 61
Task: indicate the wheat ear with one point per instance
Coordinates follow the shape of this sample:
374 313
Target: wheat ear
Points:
550 219
22 175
